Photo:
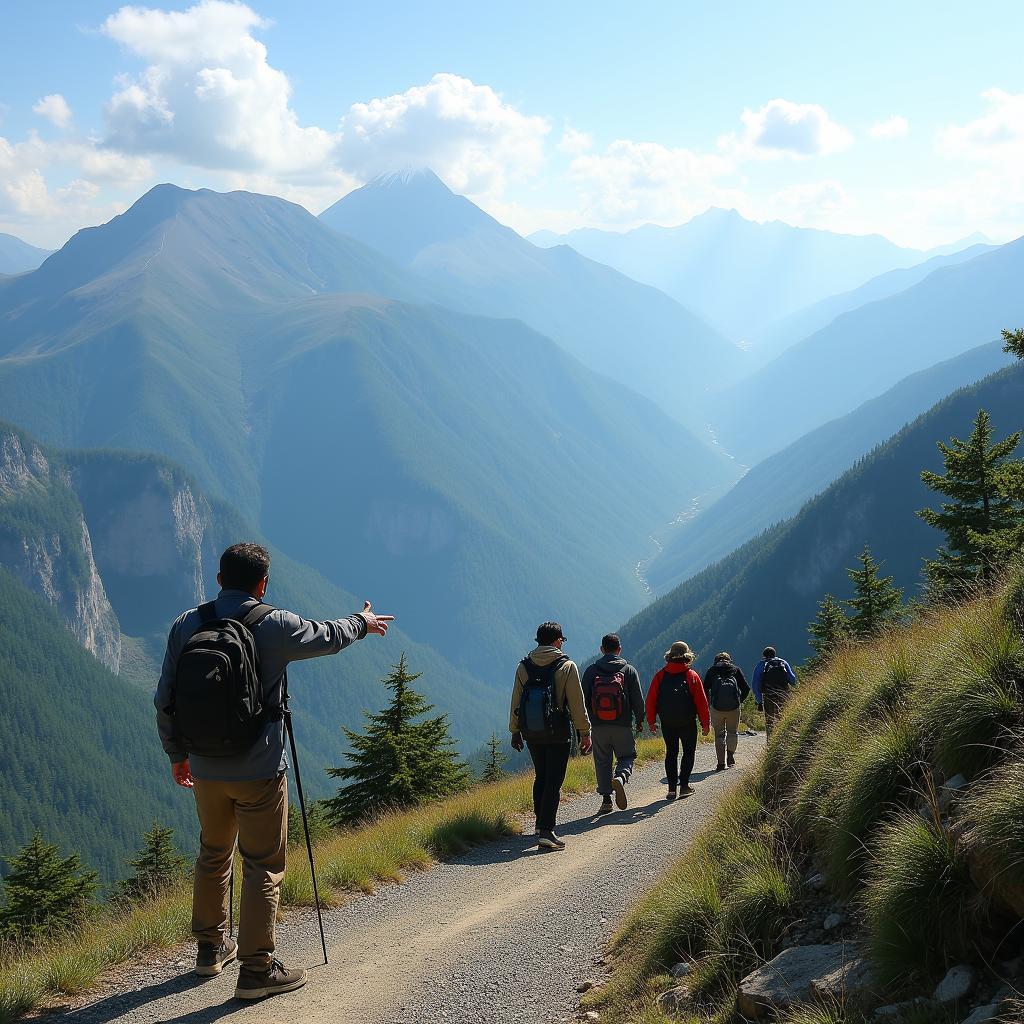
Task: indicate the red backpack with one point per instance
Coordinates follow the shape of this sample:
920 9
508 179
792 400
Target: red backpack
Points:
608 698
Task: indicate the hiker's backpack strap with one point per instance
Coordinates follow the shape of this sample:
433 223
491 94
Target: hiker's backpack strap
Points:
255 615
207 612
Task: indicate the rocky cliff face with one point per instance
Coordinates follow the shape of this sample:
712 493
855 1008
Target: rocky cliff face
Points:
45 543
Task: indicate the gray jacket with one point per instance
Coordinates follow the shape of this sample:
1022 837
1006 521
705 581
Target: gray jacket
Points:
282 637
634 704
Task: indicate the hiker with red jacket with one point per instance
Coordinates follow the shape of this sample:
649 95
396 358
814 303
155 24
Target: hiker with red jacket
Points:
677 698
615 701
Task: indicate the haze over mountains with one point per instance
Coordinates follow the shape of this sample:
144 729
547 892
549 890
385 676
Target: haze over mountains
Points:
740 275
17 256
614 325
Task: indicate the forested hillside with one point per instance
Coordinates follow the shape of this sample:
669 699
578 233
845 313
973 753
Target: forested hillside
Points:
80 756
767 591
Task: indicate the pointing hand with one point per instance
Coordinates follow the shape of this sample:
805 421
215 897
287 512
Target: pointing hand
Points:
375 623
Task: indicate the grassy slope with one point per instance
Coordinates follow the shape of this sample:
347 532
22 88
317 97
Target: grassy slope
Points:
863 748
767 591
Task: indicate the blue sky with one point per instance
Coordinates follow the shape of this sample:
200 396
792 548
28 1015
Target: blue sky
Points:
904 118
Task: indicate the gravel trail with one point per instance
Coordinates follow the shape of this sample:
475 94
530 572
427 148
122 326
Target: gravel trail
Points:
501 935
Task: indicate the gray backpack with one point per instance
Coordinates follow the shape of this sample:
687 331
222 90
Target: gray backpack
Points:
725 692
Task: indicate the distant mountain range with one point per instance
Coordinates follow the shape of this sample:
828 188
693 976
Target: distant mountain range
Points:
436 461
624 330
766 592
776 488
740 275
864 352
17 256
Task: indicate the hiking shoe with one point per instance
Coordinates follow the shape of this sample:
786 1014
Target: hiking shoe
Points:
719 767
671 795
211 957
271 982
620 793
686 790
549 841
731 761
606 806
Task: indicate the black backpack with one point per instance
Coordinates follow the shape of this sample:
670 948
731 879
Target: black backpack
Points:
675 702
540 719
774 677
217 696
725 688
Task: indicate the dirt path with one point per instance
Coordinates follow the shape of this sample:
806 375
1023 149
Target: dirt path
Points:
502 935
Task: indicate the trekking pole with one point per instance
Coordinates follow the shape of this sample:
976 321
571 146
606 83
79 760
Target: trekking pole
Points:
305 822
231 893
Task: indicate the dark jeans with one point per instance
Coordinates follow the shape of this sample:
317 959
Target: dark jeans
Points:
773 704
687 735
550 761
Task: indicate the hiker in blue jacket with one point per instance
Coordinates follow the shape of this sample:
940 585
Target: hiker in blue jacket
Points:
773 677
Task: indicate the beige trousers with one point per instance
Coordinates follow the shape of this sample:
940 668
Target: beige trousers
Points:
257 814
726 725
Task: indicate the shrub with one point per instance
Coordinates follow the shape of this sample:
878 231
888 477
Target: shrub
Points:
921 906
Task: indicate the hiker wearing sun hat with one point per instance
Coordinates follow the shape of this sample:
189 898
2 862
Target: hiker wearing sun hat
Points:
677 699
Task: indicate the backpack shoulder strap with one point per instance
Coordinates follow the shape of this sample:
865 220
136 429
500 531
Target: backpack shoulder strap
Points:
255 615
207 612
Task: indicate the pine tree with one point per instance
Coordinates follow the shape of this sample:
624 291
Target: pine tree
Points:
876 601
1013 342
830 628
44 891
494 769
398 762
156 867
979 510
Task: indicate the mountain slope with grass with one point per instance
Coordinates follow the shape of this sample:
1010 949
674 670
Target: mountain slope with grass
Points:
739 274
766 592
890 795
407 451
862 353
627 331
776 488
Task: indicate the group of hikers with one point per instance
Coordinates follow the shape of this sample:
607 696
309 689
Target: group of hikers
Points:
222 715
606 709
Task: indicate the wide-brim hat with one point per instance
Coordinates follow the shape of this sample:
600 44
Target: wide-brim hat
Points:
679 651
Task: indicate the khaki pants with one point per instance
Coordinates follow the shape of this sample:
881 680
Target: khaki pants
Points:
257 814
726 725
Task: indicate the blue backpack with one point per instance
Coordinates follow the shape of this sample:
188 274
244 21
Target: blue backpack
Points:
540 719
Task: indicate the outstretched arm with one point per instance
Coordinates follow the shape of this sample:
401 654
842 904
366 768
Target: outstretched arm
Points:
308 638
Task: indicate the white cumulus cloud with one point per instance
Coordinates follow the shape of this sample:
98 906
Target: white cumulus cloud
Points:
894 127
575 142
464 131
208 96
55 109
997 134
782 128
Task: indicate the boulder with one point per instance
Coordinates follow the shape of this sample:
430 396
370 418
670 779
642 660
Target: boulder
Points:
956 985
851 980
675 1002
790 978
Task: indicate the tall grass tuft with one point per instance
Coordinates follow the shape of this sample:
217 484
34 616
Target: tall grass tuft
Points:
993 815
880 769
921 906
